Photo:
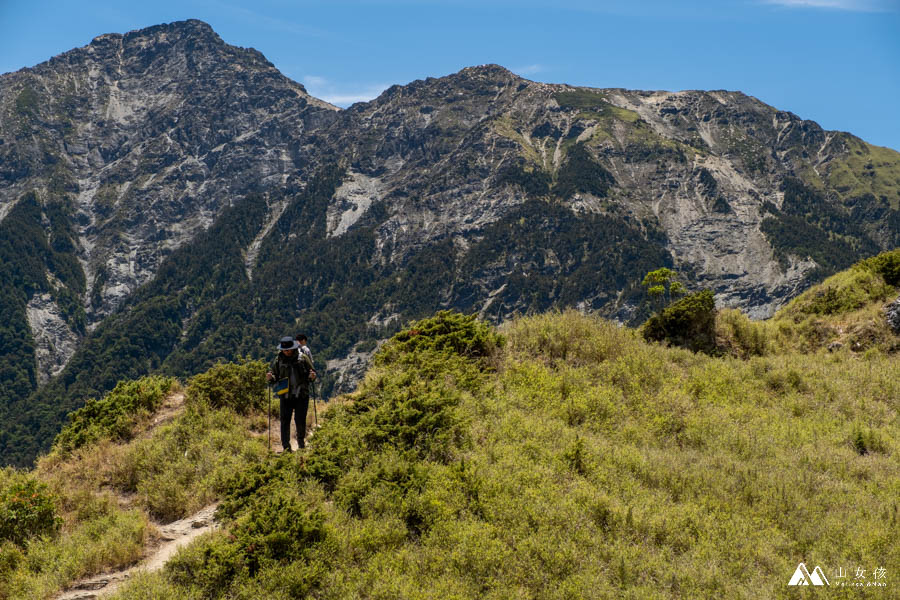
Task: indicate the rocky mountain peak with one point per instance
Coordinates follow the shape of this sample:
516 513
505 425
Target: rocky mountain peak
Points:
191 29
470 83
149 135
188 46
483 79
491 72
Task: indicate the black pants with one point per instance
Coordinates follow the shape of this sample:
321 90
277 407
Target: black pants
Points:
298 405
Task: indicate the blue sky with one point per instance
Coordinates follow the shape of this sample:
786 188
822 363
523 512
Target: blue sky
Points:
836 62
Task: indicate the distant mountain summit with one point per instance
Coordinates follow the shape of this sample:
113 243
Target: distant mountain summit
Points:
167 199
148 136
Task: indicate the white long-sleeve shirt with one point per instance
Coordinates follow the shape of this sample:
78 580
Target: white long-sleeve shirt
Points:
305 350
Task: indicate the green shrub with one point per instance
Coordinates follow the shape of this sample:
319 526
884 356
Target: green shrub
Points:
115 415
785 380
412 407
390 476
886 264
373 458
27 509
586 99
581 173
239 386
11 556
366 345
243 485
211 563
89 540
277 528
294 580
689 323
28 101
446 332
866 440
535 182
575 457
839 297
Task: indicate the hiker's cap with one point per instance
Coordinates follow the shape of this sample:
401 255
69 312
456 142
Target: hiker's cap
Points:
288 343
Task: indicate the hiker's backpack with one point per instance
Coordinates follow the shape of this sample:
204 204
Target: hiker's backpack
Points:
305 368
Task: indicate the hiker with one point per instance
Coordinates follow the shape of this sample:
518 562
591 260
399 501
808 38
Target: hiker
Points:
289 366
304 348
307 354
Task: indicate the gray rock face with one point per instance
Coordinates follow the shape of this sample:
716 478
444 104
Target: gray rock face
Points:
152 134
349 370
351 201
429 152
701 165
54 340
892 314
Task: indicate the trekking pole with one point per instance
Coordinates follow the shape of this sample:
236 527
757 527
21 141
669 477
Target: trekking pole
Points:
270 417
315 412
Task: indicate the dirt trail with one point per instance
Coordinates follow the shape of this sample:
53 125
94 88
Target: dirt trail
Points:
172 405
172 537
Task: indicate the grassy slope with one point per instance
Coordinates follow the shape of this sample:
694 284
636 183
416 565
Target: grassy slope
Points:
867 169
573 461
846 311
579 462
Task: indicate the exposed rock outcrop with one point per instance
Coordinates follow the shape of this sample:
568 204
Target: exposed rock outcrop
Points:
55 341
892 314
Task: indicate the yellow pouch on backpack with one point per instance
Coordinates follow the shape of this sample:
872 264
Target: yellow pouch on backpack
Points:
281 387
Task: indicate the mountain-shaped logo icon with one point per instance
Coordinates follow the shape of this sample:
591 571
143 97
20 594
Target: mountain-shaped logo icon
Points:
802 576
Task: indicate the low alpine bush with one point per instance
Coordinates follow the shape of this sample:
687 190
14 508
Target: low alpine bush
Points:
239 386
447 331
27 509
689 323
114 415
